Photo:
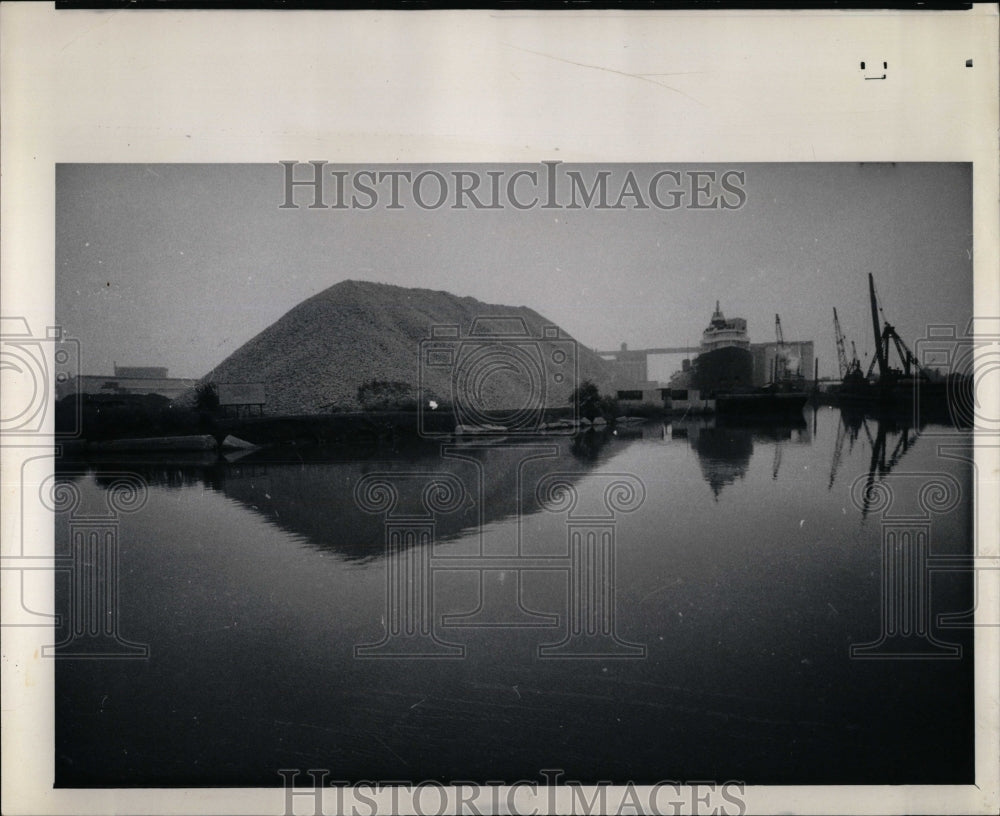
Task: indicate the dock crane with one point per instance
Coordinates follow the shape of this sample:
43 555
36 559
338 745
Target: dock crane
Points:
779 356
782 374
847 368
910 365
841 352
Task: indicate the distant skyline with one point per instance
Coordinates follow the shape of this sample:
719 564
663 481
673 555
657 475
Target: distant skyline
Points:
179 265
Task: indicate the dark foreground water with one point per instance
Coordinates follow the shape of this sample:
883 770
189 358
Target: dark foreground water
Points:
732 564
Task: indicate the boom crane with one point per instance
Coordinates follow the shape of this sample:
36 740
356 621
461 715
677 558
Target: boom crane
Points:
849 369
779 357
841 351
906 357
880 354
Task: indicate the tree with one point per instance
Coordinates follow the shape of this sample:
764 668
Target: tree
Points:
587 399
206 397
609 407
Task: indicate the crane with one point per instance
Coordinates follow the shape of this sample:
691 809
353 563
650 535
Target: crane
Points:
906 357
880 355
779 355
841 351
848 368
787 363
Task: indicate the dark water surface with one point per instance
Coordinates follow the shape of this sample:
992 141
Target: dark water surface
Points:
746 574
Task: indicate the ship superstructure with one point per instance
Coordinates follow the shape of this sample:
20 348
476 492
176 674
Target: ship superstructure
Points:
725 362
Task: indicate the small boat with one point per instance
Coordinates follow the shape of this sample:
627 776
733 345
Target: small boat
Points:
629 420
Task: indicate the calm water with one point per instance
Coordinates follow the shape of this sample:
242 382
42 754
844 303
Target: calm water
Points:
746 574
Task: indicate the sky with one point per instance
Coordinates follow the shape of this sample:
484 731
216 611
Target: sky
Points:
178 265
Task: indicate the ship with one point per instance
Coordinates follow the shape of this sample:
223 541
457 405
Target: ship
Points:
724 363
723 372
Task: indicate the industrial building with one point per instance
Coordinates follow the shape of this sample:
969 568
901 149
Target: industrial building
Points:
127 380
798 355
631 367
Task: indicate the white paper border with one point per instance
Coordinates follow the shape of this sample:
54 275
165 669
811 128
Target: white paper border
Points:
367 87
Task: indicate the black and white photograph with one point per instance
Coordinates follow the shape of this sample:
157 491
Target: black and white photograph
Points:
554 482
410 508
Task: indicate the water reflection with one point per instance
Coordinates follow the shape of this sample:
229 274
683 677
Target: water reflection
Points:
310 492
725 448
723 453
587 446
734 575
889 438
889 442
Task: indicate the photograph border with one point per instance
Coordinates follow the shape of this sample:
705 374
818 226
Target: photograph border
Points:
229 86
